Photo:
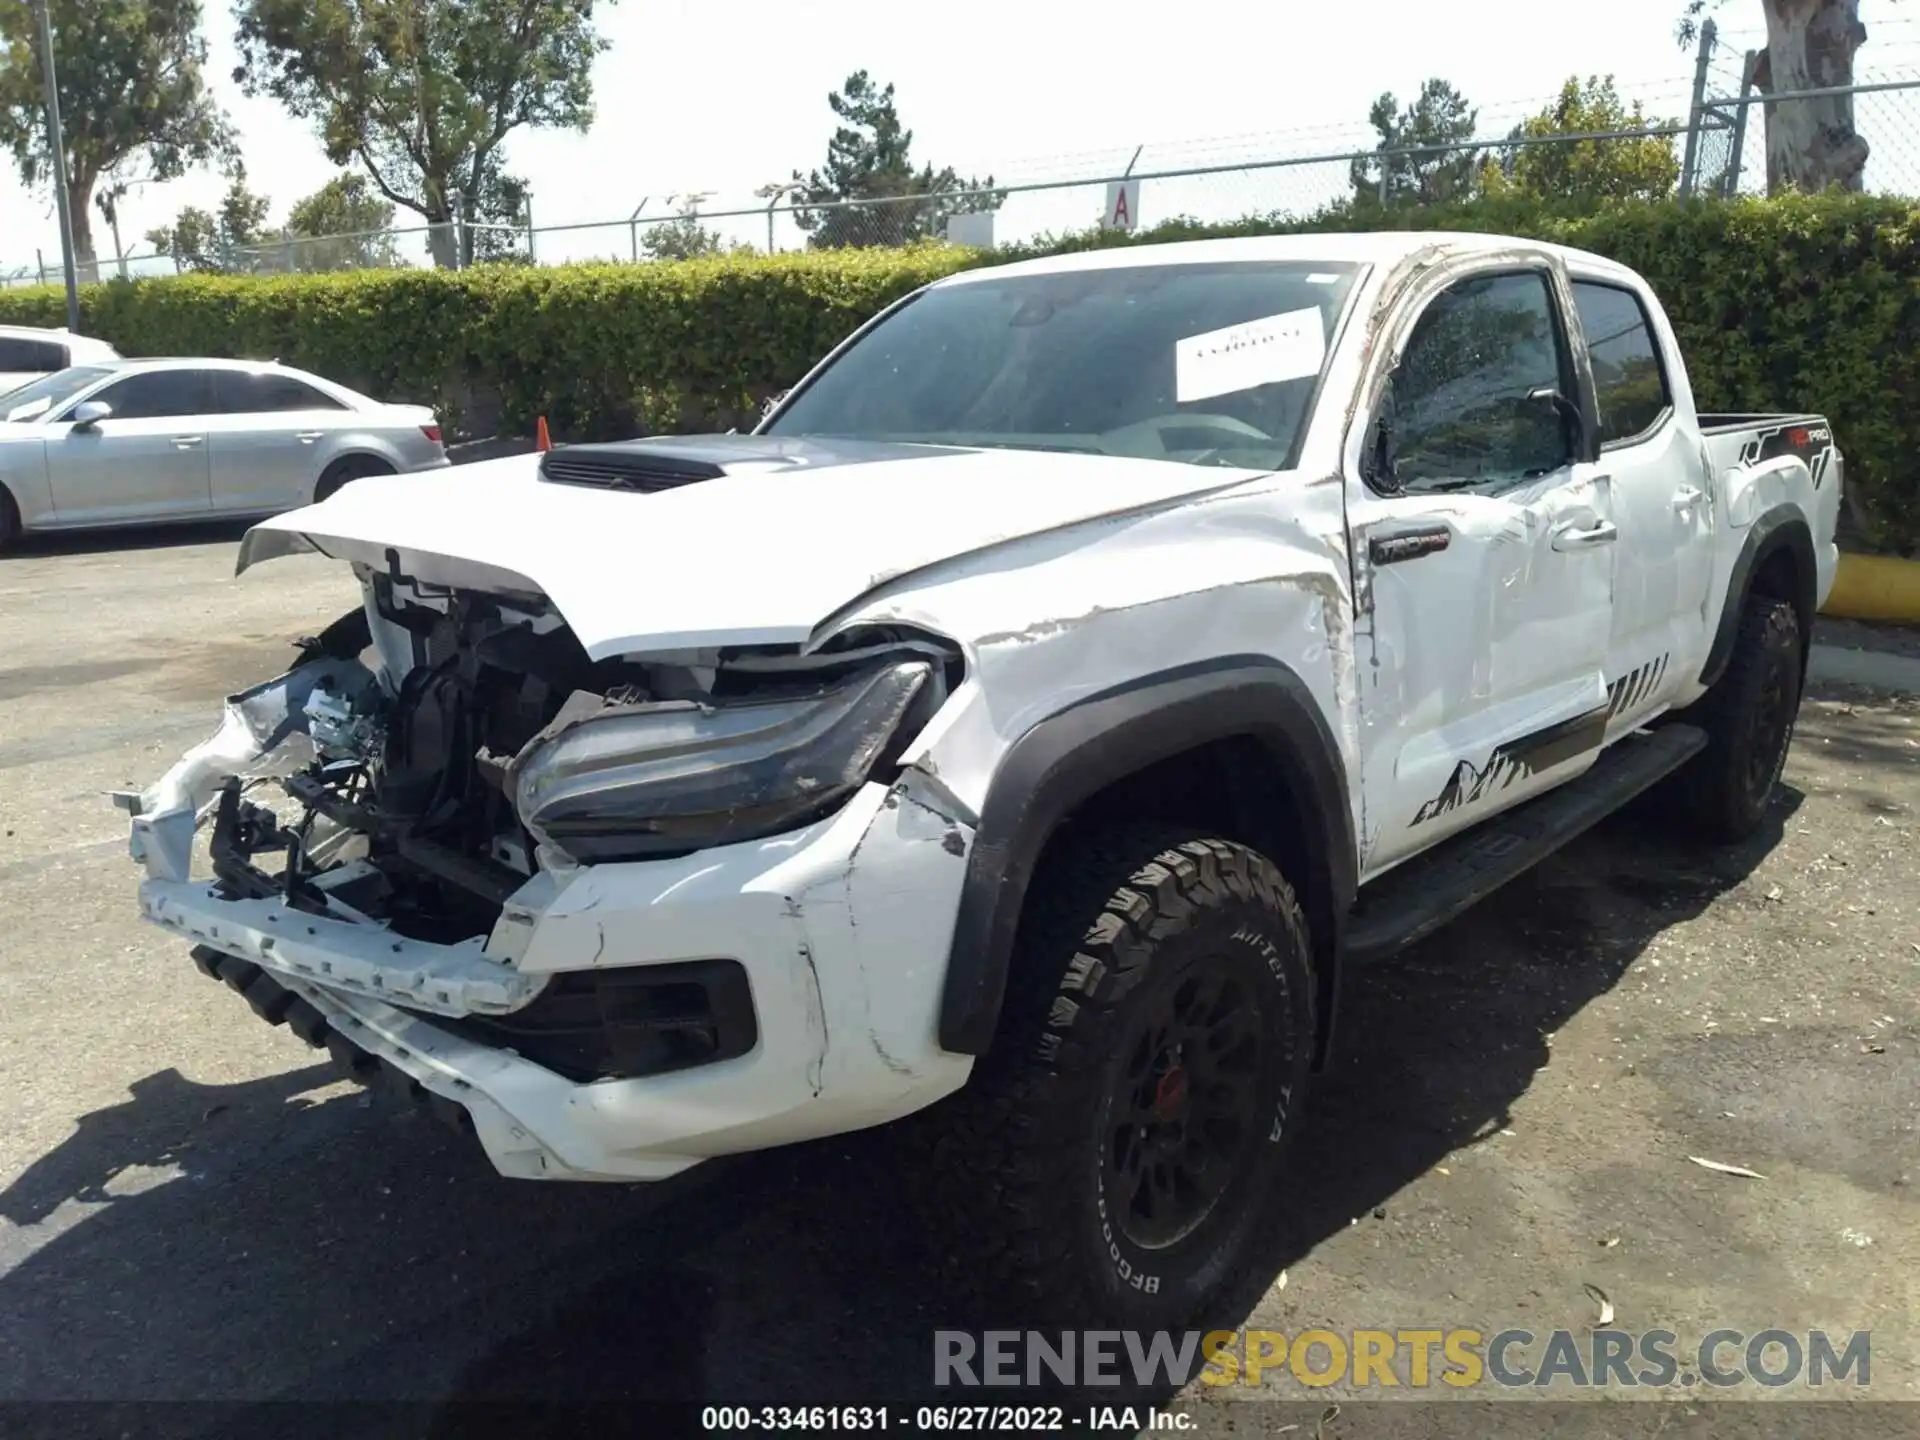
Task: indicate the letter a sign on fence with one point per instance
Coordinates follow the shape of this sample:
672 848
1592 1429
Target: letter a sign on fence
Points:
1123 205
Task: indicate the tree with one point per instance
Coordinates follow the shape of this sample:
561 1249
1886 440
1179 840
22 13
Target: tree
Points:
340 227
1811 144
685 238
228 240
1437 125
133 101
868 158
497 219
1638 169
422 93
223 240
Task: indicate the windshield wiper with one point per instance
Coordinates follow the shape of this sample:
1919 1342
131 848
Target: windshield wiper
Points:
1029 445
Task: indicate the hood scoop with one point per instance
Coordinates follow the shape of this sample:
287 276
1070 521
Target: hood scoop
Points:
642 468
668 462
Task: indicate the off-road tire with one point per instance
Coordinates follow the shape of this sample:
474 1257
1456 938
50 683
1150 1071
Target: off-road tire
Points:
338 474
1749 717
1027 1205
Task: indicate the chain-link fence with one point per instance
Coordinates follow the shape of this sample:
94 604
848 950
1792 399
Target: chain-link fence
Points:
1716 141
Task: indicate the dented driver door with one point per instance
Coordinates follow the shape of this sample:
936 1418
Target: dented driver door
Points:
1483 543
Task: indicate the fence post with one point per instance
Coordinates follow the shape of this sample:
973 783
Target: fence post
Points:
1696 117
1747 87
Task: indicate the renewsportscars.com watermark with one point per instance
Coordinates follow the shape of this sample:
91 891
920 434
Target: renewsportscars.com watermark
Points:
1414 1359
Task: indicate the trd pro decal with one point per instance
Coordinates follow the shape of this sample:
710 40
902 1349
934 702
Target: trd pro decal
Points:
1811 440
1516 760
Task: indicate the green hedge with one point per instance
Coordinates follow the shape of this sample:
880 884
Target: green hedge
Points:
600 350
1780 304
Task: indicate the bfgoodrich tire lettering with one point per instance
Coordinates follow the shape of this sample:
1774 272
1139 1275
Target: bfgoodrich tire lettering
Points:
1749 717
1112 1157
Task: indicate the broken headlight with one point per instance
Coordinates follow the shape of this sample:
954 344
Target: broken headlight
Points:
630 782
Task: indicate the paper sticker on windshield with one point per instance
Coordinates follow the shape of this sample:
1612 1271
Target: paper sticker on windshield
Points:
1260 352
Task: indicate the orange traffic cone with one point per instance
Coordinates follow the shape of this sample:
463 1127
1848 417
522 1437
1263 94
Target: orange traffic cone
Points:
542 440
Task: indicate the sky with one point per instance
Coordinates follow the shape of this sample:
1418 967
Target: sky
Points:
722 99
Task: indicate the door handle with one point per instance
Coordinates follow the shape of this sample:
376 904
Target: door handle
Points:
307 437
1686 497
186 442
1603 533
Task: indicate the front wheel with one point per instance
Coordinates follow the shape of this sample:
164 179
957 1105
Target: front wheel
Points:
343 472
1749 716
1112 1158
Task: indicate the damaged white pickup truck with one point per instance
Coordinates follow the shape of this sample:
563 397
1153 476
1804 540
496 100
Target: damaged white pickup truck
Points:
1081 665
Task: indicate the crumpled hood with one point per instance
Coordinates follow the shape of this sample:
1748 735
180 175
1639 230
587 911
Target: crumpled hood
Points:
789 531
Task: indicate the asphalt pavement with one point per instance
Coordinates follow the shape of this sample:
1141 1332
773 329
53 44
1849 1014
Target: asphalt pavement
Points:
193 1209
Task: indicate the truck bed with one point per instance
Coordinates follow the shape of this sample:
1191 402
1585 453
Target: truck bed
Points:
1750 439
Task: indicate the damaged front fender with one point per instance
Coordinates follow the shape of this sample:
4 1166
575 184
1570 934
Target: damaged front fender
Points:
263 733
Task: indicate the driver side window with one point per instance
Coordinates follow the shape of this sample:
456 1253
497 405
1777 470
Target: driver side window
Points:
1464 412
158 395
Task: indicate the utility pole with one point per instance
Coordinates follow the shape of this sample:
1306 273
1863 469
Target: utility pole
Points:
58 143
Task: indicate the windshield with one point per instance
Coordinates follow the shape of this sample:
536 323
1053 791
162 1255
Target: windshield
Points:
38 399
1211 364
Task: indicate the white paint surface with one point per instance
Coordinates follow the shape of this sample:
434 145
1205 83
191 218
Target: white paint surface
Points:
1059 577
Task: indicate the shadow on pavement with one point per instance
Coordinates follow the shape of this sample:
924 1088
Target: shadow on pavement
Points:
128 538
313 1246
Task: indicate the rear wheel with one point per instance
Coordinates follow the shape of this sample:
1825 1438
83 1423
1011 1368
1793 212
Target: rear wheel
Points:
1749 716
354 467
1113 1156
9 520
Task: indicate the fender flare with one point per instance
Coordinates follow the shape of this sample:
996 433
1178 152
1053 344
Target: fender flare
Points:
1784 527
1071 756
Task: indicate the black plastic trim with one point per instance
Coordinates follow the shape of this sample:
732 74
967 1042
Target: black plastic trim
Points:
1395 547
626 466
626 1022
1782 527
1072 756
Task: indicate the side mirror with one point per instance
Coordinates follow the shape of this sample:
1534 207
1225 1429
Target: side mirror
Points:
89 413
1572 422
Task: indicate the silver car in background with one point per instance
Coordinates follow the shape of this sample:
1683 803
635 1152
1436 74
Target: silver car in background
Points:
137 441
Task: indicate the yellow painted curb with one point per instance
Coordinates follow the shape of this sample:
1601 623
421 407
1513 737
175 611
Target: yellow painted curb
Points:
1875 587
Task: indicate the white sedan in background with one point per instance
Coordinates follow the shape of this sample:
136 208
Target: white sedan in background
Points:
139 441
27 353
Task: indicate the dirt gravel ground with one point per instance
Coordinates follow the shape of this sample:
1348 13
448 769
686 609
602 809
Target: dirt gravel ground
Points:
191 1208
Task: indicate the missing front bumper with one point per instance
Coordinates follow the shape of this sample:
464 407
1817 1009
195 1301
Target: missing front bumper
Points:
347 955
